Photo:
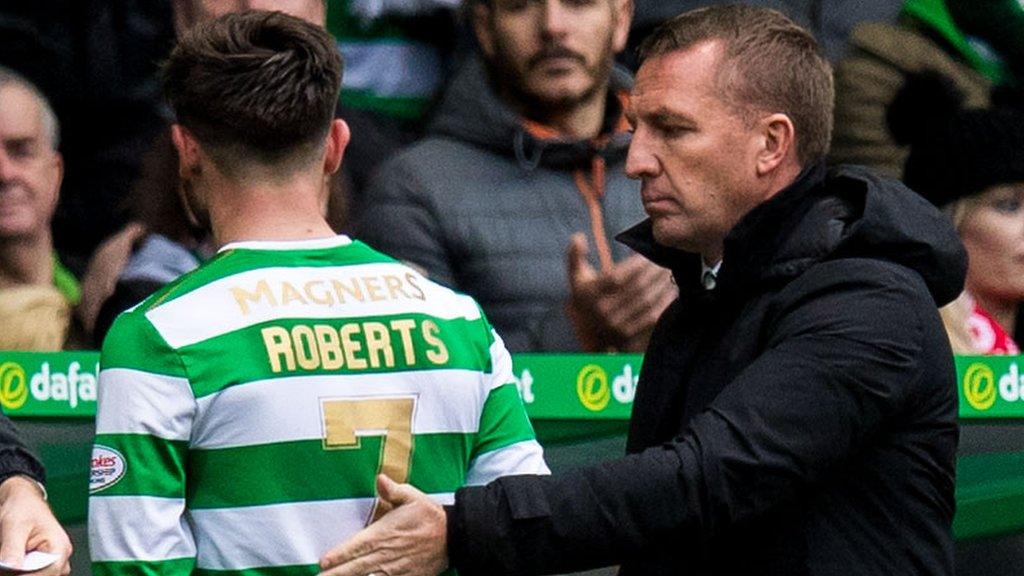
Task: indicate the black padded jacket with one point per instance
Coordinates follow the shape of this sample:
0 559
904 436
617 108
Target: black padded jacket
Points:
799 419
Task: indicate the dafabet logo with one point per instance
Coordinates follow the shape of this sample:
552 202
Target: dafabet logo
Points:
982 388
46 385
594 391
592 388
13 386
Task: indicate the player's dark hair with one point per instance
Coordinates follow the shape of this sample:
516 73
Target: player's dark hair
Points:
255 86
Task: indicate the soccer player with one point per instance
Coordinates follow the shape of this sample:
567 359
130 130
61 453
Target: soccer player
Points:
246 408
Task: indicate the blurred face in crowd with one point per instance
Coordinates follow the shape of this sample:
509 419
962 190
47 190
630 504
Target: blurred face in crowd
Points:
30 169
191 12
552 54
992 230
696 156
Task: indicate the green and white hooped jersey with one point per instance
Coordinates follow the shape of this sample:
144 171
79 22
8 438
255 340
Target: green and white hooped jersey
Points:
245 409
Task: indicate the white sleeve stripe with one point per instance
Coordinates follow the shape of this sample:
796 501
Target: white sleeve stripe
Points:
138 528
525 457
501 363
136 402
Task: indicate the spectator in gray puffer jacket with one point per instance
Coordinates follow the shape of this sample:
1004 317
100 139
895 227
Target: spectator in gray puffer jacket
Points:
516 193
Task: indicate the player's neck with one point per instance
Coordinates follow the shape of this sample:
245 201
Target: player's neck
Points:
285 211
26 261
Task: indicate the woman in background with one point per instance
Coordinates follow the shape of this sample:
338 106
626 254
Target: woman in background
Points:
970 163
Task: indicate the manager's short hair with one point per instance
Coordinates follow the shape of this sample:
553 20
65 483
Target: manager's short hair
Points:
255 85
770 64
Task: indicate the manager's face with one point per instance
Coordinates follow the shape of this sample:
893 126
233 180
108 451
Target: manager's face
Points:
694 152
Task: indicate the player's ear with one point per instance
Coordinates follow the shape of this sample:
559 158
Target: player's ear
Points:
188 149
337 140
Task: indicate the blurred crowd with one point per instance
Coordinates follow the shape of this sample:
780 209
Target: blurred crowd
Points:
468 164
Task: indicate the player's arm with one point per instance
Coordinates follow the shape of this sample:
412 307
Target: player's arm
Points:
137 482
505 443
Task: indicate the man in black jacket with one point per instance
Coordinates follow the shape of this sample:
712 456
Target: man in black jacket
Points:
796 413
26 522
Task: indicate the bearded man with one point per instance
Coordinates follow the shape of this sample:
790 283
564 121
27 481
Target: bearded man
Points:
517 191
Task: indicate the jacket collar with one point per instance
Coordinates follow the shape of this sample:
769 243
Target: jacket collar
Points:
749 249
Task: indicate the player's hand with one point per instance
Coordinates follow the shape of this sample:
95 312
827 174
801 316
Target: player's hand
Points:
410 540
616 309
26 523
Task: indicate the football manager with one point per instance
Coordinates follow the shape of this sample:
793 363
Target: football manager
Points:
796 413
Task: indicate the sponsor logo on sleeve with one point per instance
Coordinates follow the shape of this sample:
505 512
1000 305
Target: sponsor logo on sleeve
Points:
108 468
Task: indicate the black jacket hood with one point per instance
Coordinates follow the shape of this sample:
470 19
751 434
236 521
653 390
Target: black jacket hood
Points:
845 212
471 111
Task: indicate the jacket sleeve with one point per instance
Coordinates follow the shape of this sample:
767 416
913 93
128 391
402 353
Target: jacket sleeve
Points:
15 457
505 443
837 366
399 220
145 409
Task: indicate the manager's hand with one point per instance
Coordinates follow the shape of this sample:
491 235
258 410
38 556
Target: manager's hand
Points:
410 540
26 523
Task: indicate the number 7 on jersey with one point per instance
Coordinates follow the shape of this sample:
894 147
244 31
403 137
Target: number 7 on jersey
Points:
346 420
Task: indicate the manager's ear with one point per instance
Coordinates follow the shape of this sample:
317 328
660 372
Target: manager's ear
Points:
337 140
777 141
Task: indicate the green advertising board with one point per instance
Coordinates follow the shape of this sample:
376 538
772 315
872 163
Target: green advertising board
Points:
991 386
577 386
572 398
595 387
553 387
49 384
